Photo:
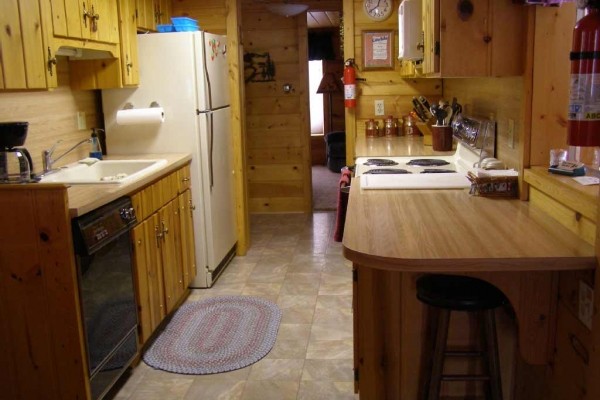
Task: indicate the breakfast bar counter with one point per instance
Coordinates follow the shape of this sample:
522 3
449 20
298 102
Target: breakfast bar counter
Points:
394 236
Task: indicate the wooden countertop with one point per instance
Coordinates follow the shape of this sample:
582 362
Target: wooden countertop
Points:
87 197
450 230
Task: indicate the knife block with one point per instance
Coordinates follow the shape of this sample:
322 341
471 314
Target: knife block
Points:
425 128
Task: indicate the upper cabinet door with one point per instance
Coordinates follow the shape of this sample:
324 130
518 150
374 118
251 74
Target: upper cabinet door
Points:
146 10
469 38
129 52
22 61
464 44
85 19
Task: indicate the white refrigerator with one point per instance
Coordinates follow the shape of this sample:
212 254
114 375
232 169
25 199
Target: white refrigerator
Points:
186 73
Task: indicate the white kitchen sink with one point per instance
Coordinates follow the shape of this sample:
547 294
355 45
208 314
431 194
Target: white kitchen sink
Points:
103 172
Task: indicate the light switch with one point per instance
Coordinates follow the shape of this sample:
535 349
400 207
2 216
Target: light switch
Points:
81 123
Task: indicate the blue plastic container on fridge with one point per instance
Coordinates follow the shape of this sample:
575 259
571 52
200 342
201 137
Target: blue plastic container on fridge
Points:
185 24
165 28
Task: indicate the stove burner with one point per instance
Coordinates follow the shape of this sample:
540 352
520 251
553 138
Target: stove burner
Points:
380 162
437 171
378 171
427 162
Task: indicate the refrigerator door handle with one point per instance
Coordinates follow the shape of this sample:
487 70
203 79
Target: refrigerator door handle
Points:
210 152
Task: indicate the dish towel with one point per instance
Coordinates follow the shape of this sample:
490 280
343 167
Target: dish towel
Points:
342 205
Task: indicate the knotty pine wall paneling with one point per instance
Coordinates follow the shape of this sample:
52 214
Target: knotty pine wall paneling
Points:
551 77
386 85
278 138
210 14
500 99
52 116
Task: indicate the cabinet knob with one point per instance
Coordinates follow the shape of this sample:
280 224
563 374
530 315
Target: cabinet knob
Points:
487 38
51 62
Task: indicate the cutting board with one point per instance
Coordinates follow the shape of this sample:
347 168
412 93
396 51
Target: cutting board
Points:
415 181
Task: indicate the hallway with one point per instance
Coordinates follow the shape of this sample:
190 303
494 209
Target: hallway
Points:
294 262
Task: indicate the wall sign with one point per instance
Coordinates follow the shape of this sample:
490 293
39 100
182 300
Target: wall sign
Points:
377 49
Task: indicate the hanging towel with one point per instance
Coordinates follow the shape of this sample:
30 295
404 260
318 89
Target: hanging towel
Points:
342 204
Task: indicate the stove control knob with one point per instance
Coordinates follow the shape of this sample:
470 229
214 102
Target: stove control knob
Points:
128 214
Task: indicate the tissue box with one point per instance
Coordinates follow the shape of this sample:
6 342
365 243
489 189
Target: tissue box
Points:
185 24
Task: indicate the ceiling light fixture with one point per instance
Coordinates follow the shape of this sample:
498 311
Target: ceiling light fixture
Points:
286 9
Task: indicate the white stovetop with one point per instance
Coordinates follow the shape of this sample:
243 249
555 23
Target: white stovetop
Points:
461 161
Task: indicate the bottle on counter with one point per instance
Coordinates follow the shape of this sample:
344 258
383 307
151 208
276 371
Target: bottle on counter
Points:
95 148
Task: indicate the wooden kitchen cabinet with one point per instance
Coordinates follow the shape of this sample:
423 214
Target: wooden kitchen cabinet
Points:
94 20
476 42
153 12
129 51
22 50
163 248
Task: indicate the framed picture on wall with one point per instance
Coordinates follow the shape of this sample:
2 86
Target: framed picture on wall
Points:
378 47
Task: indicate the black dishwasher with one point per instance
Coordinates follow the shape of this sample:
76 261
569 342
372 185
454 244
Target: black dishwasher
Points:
104 263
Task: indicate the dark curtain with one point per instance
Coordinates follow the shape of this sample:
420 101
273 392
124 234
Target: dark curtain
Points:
320 46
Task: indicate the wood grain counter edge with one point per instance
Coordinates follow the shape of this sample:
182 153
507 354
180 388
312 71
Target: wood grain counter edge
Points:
87 197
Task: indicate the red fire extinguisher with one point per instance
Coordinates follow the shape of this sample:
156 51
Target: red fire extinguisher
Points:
349 84
583 123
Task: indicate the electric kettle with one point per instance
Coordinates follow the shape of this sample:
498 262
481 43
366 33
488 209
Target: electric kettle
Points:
16 165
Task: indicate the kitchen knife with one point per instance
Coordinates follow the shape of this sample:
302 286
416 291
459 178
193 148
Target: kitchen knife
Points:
426 106
419 110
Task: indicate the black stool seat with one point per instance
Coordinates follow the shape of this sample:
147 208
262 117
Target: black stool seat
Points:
460 293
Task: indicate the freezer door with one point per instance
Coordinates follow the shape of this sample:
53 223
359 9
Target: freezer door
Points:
212 71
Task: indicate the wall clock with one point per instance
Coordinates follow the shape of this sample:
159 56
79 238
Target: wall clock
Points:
378 10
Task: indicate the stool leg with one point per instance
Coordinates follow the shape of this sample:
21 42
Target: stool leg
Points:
437 367
491 352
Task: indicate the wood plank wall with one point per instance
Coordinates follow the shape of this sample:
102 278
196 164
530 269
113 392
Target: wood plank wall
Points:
277 122
210 14
498 98
387 85
553 36
52 115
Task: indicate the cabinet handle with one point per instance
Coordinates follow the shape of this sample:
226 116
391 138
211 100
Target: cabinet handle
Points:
159 235
487 38
185 179
51 62
128 64
579 348
85 15
164 230
95 17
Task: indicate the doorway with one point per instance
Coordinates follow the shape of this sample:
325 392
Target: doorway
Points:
327 113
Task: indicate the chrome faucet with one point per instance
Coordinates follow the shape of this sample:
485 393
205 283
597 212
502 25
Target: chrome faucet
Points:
47 159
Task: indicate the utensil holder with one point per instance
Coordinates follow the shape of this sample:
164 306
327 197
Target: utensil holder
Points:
441 138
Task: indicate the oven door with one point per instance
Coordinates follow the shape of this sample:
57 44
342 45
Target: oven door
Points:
109 310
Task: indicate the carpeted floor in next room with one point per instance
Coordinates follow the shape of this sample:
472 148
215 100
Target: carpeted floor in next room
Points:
325 186
293 262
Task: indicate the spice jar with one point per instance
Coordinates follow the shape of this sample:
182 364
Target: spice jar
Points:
391 126
371 128
409 125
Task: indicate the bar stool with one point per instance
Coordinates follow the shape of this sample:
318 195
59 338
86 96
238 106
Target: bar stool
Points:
447 293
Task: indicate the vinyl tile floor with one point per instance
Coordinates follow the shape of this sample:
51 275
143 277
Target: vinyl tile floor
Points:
294 262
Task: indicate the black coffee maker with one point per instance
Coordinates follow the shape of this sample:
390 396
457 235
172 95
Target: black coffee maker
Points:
15 162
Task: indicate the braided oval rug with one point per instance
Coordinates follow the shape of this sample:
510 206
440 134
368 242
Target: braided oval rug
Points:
216 335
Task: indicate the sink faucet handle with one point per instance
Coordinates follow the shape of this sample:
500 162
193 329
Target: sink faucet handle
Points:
51 149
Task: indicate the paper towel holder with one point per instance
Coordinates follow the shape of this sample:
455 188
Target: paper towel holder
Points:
128 106
154 104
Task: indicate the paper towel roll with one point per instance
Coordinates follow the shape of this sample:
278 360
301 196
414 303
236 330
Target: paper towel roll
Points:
139 116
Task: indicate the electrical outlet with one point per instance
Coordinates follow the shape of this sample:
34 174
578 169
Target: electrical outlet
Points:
81 124
586 304
379 107
511 133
